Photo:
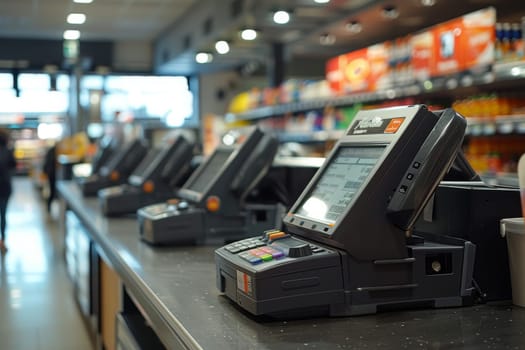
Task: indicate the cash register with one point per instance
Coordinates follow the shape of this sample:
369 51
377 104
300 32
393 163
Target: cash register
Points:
210 208
348 246
153 181
117 169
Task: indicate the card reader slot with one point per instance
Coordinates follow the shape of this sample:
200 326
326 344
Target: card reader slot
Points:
301 283
395 261
383 288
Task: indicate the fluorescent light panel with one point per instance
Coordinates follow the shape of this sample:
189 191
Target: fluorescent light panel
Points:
83 1
71 34
249 34
76 18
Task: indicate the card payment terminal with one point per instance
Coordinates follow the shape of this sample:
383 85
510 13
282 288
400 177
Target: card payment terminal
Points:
347 247
117 169
154 179
211 207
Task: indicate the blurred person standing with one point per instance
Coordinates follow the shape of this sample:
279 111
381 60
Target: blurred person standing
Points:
7 165
50 171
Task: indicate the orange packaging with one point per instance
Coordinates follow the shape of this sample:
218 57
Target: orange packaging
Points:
422 45
334 76
479 38
454 46
464 43
447 48
378 56
361 70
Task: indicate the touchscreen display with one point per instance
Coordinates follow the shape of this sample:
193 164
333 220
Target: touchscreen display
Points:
210 169
138 174
337 186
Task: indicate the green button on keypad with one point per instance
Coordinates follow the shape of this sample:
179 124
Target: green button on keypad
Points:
266 257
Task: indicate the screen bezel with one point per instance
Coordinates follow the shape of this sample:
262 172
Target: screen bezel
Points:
326 167
187 192
139 175
327 228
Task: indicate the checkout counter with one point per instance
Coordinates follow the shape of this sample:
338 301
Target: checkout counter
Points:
118 168
153 181
145 296
167 297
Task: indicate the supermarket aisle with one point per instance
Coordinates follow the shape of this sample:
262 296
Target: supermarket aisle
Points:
37 309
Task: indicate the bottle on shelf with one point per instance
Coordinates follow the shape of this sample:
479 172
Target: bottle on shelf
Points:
506 48
498 54
517 42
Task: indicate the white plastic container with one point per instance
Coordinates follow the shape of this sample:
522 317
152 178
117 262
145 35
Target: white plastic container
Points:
514 230
521 176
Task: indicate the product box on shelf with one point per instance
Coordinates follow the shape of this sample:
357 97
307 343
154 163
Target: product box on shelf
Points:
456 46
464 43
361 70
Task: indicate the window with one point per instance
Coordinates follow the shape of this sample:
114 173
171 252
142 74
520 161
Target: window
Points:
164 97
34 94
6 81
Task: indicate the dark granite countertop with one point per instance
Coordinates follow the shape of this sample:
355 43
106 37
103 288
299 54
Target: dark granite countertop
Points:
176 288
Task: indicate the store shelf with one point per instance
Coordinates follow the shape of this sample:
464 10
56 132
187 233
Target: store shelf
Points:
501 179
308 137
500 73
303 106
503 125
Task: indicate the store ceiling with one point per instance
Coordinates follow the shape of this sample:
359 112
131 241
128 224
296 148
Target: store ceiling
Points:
152 20
106 19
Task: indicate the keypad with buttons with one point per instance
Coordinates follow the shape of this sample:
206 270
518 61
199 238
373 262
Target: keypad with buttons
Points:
258 250
243 245
262 254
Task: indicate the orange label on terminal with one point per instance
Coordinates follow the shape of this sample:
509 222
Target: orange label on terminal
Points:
276 235
173 201
394 125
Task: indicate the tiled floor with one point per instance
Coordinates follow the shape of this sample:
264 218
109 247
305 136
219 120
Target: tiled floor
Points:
37 309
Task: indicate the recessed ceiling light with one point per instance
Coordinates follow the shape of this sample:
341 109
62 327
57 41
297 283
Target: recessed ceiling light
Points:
83 1
354 27
322 1
222 47
390 12
76 18
428 2
327 39
281 17
203 57
249 34
71 34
